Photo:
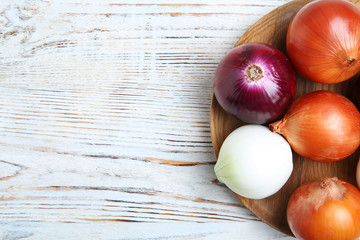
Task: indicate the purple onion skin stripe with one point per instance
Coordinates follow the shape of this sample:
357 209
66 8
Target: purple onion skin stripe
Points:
256 83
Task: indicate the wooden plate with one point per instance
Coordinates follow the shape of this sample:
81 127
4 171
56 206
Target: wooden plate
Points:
272 29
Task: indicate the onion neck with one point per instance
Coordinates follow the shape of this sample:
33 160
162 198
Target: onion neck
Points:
278 126
253 73
330 189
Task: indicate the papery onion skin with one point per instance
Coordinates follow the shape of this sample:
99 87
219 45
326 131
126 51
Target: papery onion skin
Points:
255 82
358 174
323 41
326 208
254 162
322 125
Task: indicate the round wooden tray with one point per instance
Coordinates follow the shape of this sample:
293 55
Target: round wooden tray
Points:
272 29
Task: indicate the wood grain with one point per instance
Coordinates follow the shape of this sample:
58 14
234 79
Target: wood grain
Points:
104 119
272 29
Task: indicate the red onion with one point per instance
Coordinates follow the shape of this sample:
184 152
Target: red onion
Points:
255 82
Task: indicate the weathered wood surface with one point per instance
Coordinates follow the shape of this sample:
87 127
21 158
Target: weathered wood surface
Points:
104 119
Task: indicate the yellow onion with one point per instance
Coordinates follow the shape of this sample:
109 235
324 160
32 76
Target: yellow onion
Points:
322 125
358 174
323 41
325 208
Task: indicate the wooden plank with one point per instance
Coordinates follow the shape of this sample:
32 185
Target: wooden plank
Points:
121 230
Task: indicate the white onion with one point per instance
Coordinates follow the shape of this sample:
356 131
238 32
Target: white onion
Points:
254 162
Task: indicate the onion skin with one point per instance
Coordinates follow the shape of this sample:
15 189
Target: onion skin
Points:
326 208
323 41
255 95
322 126
358 174
254 162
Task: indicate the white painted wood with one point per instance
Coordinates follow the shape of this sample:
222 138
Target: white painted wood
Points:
104 119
